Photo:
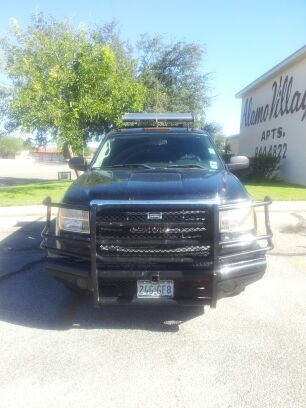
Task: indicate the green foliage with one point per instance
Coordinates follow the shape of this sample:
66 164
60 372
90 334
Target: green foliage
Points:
171 73
263 167
67 82
88 152
9 146
28 144
226 152
227 148
73 84
215 131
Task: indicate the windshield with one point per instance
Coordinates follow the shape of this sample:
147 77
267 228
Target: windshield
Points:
171 150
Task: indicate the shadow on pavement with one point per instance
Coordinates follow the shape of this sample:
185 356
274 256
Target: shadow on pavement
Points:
297 228
21 247
30 297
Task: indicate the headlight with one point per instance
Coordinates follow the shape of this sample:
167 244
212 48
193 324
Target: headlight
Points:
73 220
239 220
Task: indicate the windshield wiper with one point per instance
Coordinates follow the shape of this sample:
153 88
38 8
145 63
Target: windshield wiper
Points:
186 166
140 165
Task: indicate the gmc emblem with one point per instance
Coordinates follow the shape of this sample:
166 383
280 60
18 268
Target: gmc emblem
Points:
155 216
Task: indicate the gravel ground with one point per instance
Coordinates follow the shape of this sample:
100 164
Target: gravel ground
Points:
57 350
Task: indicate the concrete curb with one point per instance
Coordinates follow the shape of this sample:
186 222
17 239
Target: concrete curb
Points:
40 210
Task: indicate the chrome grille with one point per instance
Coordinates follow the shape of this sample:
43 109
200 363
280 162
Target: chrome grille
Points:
152 232
179 235
203 250
142 216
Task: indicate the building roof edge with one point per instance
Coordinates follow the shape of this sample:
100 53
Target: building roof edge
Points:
296 56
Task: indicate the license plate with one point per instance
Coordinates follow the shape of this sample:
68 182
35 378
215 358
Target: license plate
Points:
149 289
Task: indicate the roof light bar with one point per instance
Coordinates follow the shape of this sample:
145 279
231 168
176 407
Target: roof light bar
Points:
156 129
157 117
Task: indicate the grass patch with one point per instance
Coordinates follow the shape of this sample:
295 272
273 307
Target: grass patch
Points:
277 190
33 193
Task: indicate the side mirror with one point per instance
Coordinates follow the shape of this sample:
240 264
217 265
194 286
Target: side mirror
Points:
238 163
78 163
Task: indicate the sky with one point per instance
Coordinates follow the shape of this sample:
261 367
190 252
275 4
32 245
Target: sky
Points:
243 38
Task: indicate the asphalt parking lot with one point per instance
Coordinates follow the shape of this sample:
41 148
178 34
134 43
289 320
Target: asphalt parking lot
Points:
23 171
58 351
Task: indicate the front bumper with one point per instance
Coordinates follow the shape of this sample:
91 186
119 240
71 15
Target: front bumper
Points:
190 288
234 265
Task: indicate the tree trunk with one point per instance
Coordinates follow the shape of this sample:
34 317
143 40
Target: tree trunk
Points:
68 154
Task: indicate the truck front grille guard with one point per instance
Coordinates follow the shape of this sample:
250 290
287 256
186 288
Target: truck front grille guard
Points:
90 242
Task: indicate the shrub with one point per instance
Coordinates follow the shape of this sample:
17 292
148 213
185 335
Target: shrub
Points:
9 146
226 152
263 167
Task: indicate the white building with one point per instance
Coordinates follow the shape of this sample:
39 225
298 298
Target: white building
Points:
273 117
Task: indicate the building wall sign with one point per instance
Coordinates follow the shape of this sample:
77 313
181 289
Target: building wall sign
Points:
283 102
273 118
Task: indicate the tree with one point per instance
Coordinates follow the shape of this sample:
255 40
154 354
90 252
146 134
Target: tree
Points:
10 146
74 84
68 83
215 131
28 144
172 74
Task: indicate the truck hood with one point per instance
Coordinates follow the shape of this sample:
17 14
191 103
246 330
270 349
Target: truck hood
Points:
178 184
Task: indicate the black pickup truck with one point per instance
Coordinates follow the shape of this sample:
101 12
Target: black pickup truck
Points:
157 217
